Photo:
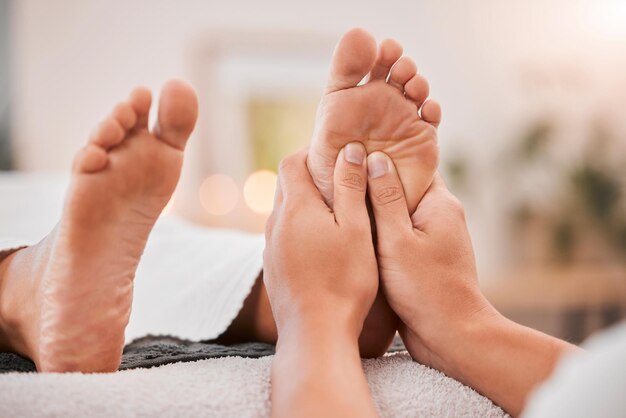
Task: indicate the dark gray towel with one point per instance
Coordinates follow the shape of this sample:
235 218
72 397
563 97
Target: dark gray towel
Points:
152 351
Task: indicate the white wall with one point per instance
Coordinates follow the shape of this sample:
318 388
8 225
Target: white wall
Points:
72 59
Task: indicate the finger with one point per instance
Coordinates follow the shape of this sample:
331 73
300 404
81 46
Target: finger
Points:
350 183
438 203
387 196
296 185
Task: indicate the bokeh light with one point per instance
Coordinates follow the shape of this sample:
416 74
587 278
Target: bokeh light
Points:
258 191
218 194
608 18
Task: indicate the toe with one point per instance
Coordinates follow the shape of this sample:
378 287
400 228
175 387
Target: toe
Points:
352 60
431 113
90 159
402 71
178 111
389 52
125 115
417 89
108 134
140 99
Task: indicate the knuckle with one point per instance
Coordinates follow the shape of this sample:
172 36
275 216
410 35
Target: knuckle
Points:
292 161
387 194
352 179
286 163
456 206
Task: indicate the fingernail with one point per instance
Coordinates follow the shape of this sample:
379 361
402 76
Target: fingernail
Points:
354 153
377 165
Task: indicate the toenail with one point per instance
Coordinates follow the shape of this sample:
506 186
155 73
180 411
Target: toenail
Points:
377 165
354 153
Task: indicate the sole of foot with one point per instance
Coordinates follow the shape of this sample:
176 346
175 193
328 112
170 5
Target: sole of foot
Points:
78 282
390 112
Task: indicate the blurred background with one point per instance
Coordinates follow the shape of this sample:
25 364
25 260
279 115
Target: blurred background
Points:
533 139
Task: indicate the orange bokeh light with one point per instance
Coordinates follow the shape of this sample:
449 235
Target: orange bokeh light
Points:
258 191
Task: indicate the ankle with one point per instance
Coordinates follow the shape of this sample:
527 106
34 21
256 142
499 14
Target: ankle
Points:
5 305
14 309
4 337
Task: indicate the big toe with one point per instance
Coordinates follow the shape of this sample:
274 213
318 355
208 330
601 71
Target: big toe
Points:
353 59
178 111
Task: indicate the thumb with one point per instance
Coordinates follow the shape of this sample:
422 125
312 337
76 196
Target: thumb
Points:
387 197
350 184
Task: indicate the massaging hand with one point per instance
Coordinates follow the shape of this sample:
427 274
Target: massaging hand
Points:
426 262
321 278
318 262
428 274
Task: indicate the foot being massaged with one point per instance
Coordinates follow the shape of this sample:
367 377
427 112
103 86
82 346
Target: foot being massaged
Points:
330 285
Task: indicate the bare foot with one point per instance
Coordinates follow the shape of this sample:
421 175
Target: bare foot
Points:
389 113
65 302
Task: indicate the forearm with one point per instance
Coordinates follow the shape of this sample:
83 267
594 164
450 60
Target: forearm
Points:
505 361
317 371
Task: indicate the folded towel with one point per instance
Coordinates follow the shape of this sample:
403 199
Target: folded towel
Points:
224 387
152 351
159 350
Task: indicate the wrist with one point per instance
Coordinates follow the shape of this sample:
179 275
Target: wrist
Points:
472 340
438 333
317 329
306 344
444 342
503 360
319 318
317 369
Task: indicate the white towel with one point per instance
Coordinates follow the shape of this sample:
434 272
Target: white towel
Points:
227 387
